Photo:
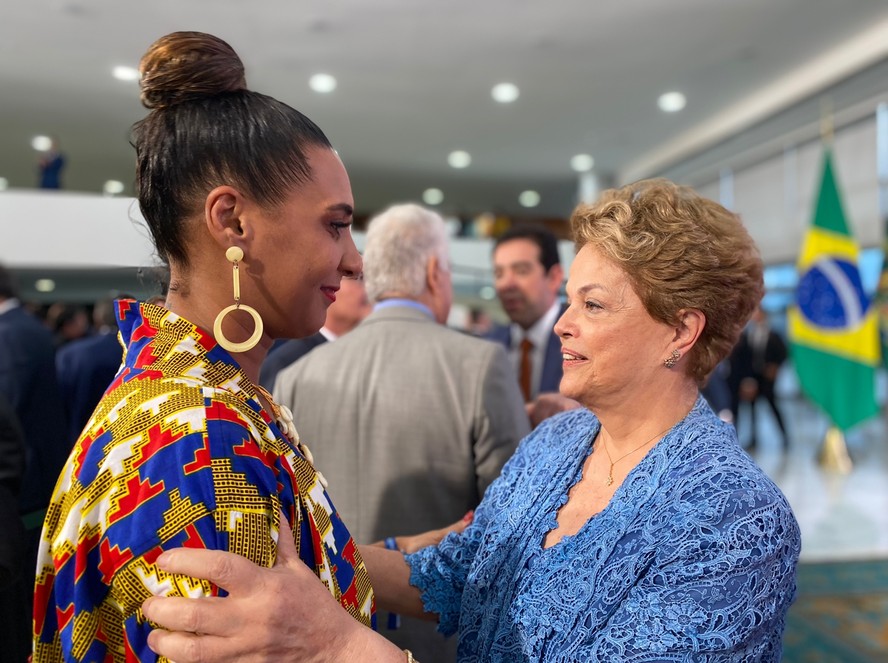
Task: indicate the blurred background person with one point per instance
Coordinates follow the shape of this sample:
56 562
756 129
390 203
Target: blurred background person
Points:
480 323
408 419
754 365
28 384
67 322
351 306
528 275
12 542
50 167
86 367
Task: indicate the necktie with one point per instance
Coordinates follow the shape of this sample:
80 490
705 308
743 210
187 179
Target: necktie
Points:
526 369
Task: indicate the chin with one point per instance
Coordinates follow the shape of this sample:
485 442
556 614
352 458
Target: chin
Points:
575 389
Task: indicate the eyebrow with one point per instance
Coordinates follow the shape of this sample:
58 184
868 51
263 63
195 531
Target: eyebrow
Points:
582 290
342 207
516 263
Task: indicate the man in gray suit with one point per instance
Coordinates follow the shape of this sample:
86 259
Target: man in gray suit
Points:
409 421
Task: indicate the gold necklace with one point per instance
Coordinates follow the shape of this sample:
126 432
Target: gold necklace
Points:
284 418
610 472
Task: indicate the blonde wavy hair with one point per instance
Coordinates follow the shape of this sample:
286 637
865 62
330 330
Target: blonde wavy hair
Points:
680 251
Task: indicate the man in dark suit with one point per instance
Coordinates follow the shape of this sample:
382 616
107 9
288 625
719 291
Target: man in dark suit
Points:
527 276
754 362
87 366
28 383
343 315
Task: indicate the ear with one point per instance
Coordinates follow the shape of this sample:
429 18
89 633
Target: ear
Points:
433 275
691 323
225 219
555 277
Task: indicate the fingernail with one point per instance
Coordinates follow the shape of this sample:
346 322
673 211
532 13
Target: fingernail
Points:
165 558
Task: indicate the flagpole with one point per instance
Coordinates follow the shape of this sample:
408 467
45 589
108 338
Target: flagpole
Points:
826 121
833 455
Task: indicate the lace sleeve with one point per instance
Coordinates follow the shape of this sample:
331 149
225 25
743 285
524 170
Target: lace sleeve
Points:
440 572
719 589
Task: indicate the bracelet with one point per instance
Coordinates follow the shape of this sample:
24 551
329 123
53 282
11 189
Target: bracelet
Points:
410 658
391 544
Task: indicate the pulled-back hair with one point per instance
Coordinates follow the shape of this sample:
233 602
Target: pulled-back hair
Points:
206 129
680 251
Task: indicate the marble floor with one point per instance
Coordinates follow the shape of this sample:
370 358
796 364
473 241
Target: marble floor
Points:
843 516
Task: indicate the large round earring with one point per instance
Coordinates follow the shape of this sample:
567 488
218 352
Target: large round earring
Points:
235 254
672 359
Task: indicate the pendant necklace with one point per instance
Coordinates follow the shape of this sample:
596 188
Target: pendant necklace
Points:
610 472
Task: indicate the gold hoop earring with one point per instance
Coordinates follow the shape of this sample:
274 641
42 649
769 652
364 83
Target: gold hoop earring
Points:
235 254
672 359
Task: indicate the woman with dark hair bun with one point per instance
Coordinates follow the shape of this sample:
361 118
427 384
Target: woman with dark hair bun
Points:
251 209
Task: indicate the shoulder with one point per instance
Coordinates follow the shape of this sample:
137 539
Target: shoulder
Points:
18 320
560 435
470 343
500 334
710 478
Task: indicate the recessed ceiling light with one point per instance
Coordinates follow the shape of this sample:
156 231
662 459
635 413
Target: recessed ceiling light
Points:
113 187
433 196
529 198
582 162
671 102
505 93
41 143
4 184
125 73
322 83
44 285
459 159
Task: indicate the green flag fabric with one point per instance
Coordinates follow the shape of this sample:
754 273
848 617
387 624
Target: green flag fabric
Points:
833 329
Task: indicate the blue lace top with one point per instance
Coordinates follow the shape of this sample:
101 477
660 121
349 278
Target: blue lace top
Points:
693 559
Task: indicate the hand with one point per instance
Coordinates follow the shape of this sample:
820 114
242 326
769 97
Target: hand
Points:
749 389
410 544
545 405
279 614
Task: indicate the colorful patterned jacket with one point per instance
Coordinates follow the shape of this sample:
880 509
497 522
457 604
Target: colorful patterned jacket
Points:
179 452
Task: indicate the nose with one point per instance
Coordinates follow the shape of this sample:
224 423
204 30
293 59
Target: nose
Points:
565 327
351 264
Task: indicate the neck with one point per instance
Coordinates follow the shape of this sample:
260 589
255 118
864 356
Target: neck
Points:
625 429
202 311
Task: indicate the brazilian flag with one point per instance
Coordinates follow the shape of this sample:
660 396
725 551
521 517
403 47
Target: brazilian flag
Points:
881 299
833 329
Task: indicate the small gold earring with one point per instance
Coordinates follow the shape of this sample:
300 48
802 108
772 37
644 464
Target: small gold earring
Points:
235 254
672 359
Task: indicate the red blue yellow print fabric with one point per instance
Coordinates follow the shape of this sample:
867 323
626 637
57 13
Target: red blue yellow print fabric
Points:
179 452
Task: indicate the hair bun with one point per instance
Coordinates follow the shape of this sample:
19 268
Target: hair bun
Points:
188 65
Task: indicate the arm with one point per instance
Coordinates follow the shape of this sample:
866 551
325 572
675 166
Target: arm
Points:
390 575
281 615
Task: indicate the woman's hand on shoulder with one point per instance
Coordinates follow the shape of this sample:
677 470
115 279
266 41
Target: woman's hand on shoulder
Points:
279 614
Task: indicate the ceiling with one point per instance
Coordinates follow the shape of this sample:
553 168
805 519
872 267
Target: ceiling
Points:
414 81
